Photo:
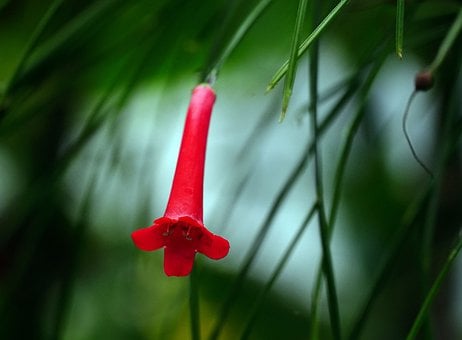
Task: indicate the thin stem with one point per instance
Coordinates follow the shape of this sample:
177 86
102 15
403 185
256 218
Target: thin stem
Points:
194 304
32 43
256 245
324 228
92 13
431 215
212 73
264 228
390 258
292 66
408 139
399 27
277 271
281 72
80 232
353 129
280 198
434 291
339 175
447 42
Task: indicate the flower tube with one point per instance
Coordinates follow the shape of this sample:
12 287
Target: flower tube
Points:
181 231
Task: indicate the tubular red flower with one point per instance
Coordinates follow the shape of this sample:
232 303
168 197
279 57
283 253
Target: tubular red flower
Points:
181 230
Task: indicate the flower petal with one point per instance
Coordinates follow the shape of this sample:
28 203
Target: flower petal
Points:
214 247
149 238
178 261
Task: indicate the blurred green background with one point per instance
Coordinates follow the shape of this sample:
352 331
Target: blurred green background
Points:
92 102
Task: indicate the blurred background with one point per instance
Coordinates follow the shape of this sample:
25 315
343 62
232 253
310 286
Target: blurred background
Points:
93 96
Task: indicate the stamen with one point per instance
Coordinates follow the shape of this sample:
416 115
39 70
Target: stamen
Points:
187 235
169 231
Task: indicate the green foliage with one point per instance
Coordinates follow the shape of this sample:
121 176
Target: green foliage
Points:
84 158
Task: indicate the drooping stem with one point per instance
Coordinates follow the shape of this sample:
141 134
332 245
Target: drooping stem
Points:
408 139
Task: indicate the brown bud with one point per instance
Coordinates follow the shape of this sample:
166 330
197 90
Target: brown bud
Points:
423 81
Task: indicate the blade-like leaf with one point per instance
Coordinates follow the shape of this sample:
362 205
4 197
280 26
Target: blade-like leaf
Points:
281 72
277 271
235 39
292 66
447 42
433 291
327 262
399 27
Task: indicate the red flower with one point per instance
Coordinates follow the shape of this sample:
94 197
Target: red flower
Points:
181 230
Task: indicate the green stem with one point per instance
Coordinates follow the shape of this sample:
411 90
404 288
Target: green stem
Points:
324 228
339 175
280 198
281 72
399 27
256 245
69 278
447 42
194 304
32 43
444 154
390 258
210 75
434 291
353 129
277 271
292 66
65 34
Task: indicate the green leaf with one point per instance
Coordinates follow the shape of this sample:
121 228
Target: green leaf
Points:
447 42
433 291
339 175
292 66
281 72
235 40
265 227
327 262
33 41
277 271
399 28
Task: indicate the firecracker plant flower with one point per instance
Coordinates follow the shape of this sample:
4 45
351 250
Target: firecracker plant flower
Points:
181 231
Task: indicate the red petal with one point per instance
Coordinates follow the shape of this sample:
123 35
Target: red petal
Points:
216 247
149 238
178 261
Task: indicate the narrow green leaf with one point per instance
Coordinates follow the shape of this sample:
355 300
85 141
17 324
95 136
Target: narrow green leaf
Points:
265 227
447 42
327 262
80 232
263 231
292 66
433 291
281 72
248 22
391 257
277 271
32 43
339 175
399 27
96 11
